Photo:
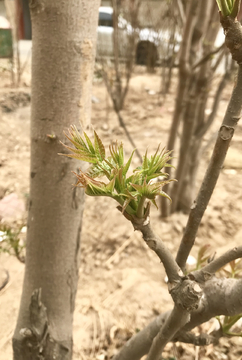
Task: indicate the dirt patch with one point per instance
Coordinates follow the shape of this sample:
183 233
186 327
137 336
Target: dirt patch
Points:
121 287
13 99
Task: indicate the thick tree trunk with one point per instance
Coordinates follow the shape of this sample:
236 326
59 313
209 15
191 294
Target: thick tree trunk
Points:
64 38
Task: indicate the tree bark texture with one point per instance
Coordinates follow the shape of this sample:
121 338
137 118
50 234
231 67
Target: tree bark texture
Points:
64 42
221 297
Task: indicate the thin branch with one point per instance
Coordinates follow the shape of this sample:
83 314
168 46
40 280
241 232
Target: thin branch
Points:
181 11
198 340
184 77
177 319
200 132
122 124
120 118
208 56
156 244
221 297
218 263
140 343
224 138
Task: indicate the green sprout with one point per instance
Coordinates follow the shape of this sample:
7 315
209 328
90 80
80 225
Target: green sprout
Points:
203 256
229 7
227 322
131 192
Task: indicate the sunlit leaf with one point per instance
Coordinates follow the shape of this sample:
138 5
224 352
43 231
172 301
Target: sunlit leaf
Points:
81 157
127 166
99 148
89 143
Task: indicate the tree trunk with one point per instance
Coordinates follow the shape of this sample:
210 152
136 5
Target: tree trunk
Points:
195 94
188 189
64 38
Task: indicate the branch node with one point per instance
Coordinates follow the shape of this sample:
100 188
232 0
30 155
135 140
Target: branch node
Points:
186 294
226 132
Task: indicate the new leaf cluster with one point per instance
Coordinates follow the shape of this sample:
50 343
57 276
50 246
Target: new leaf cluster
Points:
229 7
130 191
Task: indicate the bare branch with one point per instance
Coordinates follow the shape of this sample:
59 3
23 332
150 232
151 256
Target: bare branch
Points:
156 244
221 297
218 263
200 132
177 319
224 138
184 77
207 57
198 340
122 123
181 11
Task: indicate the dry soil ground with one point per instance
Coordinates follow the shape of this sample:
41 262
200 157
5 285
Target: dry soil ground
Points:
121 286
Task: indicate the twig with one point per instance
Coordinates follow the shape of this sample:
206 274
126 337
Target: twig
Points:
218 299
224 138
203 129
6 338
207 56
177 319
197 340
117 110
218 263
156 244
181 11
122 123
184 77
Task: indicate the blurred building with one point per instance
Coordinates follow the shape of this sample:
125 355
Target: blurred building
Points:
17 13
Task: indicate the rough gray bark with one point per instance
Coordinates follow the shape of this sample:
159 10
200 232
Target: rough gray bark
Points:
64 39
218 299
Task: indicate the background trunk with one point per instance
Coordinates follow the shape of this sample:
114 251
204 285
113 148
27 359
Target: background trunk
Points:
196 72
64 38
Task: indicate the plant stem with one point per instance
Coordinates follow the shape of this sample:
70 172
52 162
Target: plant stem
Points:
157 245
140 210
177 319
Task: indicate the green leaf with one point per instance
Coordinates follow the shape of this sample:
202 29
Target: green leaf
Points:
163 193
126 167
229 321
77 144
229 7
116 152
76 137
99 148
235 8
89 143
78 156
110 185
131 193
145 161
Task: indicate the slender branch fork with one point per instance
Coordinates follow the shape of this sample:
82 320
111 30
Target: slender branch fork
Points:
198 292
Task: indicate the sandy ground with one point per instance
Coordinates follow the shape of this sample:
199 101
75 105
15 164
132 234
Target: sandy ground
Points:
117 270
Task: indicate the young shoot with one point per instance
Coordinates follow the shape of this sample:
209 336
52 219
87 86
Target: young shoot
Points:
228 7
132 192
